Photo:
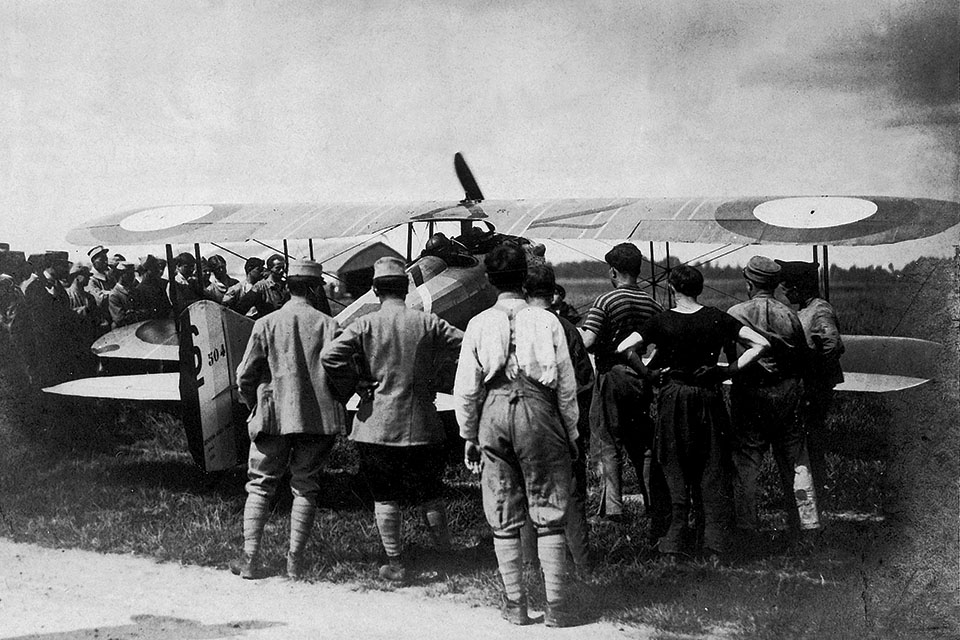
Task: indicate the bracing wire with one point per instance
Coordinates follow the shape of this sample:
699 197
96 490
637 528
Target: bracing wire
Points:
663 270
913 298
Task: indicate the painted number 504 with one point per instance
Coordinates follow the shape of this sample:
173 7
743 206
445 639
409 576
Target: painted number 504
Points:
216 354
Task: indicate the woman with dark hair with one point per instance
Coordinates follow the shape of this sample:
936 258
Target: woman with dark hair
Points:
689 439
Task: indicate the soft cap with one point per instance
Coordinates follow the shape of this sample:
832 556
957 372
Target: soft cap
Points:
762 271
388 267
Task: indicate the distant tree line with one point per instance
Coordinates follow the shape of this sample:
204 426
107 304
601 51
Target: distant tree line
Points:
589 269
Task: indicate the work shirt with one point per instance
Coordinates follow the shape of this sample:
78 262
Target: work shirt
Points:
151 299
122 306
232 296
284 351
81 301
183 292
582 367
266 296
218 288
99 287
405 351
614 316
532 344
822 330
788 356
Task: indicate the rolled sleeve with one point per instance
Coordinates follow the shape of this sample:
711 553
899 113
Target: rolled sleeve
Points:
468 387
567 387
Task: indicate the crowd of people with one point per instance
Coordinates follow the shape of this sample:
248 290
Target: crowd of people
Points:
52 310
527 399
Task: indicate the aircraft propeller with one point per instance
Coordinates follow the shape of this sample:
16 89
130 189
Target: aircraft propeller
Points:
471 190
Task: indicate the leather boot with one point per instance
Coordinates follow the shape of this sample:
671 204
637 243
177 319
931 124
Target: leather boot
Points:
246 566
514 612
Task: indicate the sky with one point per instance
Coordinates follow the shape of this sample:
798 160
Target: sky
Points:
113 105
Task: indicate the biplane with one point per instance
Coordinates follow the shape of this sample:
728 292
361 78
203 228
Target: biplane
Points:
209 342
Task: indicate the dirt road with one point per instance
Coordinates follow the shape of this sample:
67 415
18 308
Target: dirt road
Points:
53 594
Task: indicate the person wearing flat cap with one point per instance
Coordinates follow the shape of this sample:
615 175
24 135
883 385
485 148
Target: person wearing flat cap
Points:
395 358
620 412
765 405
822 329
294 419
101 282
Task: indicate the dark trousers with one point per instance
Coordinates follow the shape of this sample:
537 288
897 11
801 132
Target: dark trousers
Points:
692 462
764 417
620 422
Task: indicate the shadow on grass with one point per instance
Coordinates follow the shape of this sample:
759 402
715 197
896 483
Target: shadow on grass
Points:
781 592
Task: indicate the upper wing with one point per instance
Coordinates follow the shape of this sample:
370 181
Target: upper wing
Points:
833 220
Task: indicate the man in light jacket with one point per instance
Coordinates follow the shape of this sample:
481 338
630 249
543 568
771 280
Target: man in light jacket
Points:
399 355
295 417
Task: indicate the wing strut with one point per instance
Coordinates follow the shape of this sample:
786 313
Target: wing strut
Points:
653 273
409 243
826 274
824 270
172 290
669 292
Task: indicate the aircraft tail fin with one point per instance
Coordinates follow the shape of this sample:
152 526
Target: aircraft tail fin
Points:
212 341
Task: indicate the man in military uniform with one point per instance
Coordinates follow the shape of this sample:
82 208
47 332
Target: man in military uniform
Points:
295 418
398 353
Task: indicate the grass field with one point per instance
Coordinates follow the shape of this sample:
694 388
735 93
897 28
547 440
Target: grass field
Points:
117 479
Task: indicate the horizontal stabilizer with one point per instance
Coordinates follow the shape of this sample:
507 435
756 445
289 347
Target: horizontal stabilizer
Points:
881 364
146 386
147 340
877 382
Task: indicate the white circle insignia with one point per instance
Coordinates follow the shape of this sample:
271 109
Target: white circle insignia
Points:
814 212
164 217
